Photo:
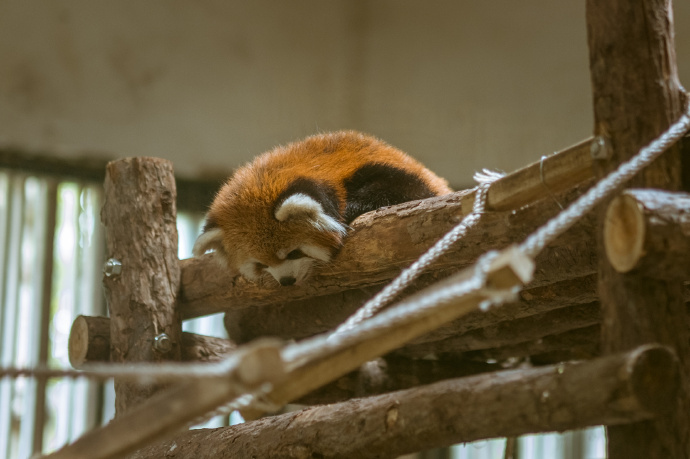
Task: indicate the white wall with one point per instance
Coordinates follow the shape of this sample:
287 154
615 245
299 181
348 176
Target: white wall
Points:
209 84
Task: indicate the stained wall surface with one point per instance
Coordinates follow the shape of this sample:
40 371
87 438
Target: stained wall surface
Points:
209 84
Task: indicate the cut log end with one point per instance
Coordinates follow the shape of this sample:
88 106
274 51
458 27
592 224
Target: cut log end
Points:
624 233
89 340
655 378
78 342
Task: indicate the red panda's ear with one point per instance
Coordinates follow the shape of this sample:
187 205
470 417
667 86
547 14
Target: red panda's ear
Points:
302 206
297 206
211 239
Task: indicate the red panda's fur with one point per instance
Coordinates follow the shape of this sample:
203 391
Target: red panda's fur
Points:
242 223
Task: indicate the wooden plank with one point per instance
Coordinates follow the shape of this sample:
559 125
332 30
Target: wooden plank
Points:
636 96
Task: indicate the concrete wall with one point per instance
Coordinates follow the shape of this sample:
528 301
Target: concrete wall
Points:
209 84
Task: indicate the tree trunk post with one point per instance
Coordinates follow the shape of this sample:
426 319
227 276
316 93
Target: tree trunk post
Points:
636 96
142 274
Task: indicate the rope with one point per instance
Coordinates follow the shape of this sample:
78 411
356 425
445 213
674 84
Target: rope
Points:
404 279
138 372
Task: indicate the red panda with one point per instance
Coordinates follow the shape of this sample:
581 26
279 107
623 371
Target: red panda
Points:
288 211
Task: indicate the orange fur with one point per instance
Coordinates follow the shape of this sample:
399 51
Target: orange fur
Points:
244 207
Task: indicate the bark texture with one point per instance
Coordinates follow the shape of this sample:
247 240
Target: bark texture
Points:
139 216
512 332
637 95
89 342
301 319
631 386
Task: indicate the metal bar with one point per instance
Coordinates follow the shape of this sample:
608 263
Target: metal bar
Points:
7 351
46 296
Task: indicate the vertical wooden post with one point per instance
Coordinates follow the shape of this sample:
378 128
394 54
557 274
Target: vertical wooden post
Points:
139 215
636 97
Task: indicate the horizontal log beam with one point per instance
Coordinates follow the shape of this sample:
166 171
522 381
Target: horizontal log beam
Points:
577 344
91 336
298 320
648 231
89 342
391 374
385 241
511 332
630 387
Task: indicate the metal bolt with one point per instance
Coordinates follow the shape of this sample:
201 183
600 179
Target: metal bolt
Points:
162 343
599 148
112 267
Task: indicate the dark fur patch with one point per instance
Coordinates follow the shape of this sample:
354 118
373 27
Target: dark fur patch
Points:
320 192
378 185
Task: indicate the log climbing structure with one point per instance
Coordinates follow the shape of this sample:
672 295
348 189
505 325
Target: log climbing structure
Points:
549 299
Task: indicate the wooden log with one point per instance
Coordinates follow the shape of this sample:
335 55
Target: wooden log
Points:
201 348
90 337
511 332
387 240
631 386
393 373
637 95
171 411
139 216
89 342
392 328
553 174
577 344
648 231
301 319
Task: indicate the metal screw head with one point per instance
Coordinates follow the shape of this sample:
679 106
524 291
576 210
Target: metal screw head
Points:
112 267
599 148
162 343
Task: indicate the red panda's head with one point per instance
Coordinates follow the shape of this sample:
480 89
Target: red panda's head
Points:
285 237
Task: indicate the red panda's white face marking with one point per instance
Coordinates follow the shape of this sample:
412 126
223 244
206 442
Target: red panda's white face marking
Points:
294 266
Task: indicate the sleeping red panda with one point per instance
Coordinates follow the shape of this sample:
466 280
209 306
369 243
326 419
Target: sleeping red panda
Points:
288 211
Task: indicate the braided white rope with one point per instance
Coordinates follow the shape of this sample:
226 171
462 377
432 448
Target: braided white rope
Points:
405 278
539 239
141 372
